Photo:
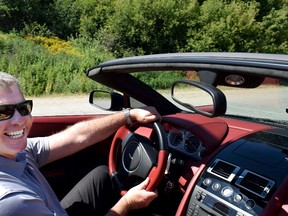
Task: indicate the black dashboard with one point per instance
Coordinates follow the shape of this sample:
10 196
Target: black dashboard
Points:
241 178
186 143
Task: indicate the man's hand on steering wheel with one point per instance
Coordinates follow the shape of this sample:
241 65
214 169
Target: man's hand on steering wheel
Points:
138 197
144 115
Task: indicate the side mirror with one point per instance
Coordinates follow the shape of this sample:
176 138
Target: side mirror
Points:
199 97
106 100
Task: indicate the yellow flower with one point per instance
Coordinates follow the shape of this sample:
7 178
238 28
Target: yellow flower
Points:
55 45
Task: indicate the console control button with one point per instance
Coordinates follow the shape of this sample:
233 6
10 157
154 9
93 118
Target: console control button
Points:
227 191
198 196
207 181
216 186
250 204
238 198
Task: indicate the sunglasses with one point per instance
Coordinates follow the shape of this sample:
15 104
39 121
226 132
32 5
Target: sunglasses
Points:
7 111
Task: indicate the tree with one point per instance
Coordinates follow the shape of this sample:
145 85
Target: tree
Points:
223 26
274 31
148 26
14 15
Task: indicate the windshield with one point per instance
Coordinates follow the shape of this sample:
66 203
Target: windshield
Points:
267 101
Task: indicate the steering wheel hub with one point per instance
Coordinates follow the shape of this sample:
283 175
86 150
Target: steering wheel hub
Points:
131 157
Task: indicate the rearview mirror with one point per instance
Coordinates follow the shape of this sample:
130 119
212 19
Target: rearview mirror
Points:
199 97
106 100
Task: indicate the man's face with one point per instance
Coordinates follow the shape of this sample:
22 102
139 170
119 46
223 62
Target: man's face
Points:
13 131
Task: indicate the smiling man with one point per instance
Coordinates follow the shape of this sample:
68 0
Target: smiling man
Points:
25 191
14 139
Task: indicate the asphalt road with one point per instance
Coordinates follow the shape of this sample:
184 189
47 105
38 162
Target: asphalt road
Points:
63 105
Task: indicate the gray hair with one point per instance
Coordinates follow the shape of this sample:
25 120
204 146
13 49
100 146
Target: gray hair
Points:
7 80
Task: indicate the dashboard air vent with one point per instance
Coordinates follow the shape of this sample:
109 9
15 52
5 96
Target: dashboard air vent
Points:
254 183
223 169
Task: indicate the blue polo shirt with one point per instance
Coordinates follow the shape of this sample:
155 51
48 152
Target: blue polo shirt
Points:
23 189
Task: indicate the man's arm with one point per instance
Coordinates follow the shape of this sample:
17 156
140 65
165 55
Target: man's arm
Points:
84 134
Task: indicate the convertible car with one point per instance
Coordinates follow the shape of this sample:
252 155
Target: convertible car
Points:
221 147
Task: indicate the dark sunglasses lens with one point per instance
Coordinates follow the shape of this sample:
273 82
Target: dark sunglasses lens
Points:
6 112
25 108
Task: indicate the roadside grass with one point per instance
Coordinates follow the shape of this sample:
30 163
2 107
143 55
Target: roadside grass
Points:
47 66
44 69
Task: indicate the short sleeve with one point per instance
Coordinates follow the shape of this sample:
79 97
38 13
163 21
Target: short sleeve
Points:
23 204
39 149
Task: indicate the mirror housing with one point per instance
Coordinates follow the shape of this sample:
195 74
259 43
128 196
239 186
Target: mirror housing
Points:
116 102
230 79
211 101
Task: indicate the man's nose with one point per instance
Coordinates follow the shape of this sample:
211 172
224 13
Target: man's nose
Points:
17 118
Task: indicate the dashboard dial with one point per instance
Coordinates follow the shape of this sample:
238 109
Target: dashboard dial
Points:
192 144
175 137
185 142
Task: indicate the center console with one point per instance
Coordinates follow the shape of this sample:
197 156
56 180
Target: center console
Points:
241 179
215 194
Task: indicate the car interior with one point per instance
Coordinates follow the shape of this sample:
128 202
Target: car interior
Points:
201 161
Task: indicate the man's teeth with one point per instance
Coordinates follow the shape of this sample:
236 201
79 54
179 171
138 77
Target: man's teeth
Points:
16 134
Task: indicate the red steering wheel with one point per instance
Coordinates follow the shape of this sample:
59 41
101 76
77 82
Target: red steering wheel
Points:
134 156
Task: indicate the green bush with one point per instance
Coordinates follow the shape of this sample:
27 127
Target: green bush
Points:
162 80
41 71
46 66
